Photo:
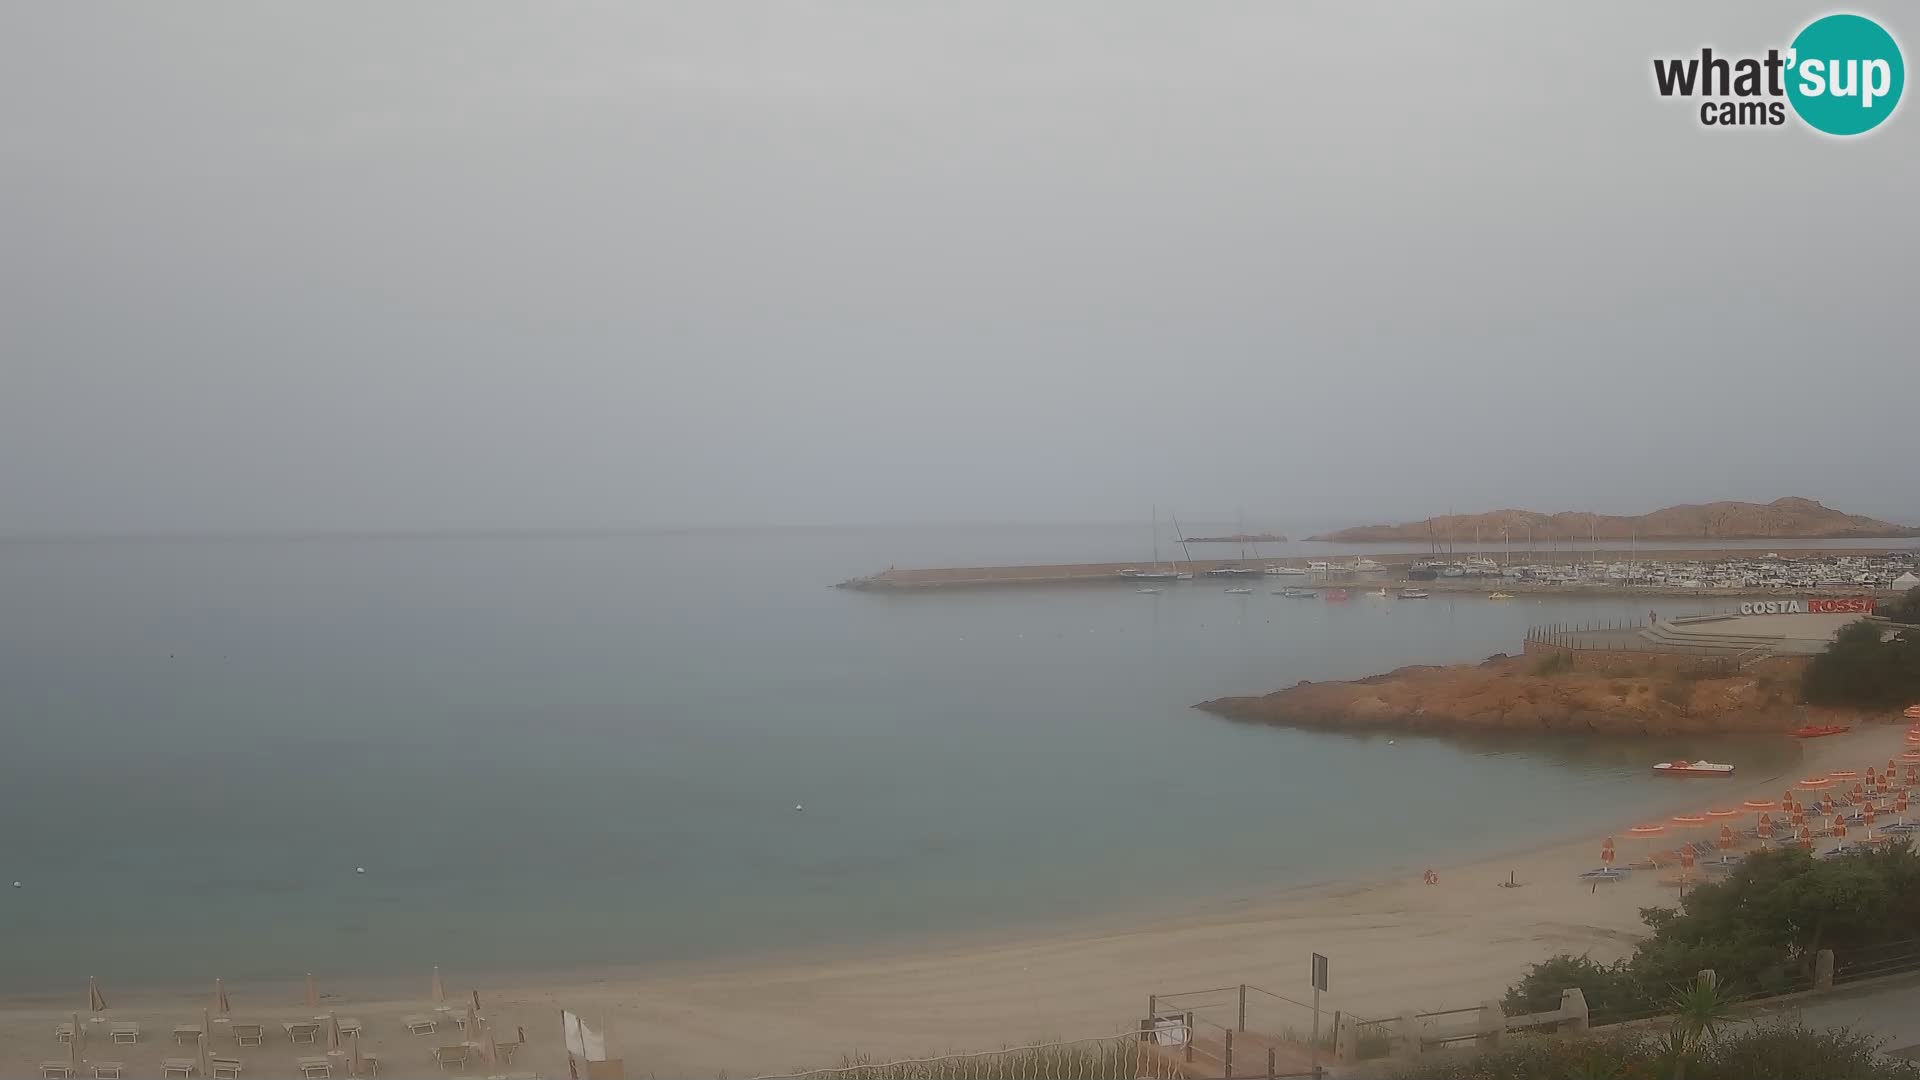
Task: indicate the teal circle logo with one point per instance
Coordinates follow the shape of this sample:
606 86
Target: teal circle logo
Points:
1845 75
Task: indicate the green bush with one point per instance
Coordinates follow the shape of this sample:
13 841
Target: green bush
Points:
1558 663
1860 669
1774 1051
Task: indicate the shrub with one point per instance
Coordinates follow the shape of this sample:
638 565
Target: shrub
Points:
1558 663
1772 1051
1860 669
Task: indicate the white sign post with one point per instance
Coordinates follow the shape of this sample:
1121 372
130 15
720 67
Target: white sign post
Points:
1319 984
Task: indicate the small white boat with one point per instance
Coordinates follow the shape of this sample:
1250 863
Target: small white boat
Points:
1499 596
1366 566
1692 768
1286 571
1238 590
1413 594
1149 590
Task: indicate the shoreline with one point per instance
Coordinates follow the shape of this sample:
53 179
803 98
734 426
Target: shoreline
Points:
1395 944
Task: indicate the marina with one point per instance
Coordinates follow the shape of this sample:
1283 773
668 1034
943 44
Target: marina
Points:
1677 572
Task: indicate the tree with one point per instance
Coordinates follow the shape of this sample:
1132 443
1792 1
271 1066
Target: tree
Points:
1859 668
1903 609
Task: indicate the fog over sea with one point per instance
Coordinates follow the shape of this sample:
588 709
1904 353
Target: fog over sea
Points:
566 751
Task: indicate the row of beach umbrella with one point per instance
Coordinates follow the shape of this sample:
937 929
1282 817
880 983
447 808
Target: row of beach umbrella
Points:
1890 789
480 1034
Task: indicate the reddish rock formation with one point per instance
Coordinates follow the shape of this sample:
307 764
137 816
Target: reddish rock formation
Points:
1524 694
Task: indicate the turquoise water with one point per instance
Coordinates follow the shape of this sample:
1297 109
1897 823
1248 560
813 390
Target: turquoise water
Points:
555 752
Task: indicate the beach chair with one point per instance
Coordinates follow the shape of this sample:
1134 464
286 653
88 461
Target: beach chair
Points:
460 1021
349 1027
55 1070
108 1070
124 1031
224 1068
302 1031
187 1033
505 1051
314 1068
448 1057
369 1062
181 1067
420 1024
249 1035
64 1033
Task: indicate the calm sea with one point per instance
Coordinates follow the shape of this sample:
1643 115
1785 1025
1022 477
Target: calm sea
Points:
577 751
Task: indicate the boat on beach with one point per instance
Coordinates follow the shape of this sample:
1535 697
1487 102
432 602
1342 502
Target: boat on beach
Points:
1816 731
1297 594
1692 768
1413 594
1240 590
1499 596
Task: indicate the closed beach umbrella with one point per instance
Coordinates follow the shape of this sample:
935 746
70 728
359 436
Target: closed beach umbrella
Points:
1686 859
1806 837
1799 816
96 1001
1725 843
313 992
1859 792
439 988
1765 829
333 1034
1606 852
73 1045
221 1006
357 1064
489 1050
206 1039
1826 805
473 1024
476 1001
1840 827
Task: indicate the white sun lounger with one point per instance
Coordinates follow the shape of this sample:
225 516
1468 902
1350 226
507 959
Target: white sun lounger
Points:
55 1070
187 1033
225 1068
177 1066
302 1031
420 1024
125 1031
314 1068
249 1035
108 1070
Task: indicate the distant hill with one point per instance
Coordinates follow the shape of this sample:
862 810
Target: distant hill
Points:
1780 519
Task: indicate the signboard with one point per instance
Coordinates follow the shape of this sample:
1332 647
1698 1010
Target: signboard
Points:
1319 972
1813 605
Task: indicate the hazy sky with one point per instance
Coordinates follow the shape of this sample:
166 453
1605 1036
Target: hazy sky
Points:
286 266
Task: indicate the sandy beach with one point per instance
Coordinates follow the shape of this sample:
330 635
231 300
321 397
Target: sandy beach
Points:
1394 945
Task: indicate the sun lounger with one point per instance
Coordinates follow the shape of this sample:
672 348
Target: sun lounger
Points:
177 1066
125 1031
225 1068
55 1070
461 1020
371 1062
505 1051
187 1033
64 1033
302 1031
249 1035
448 1057
419 1024
107 1070
348 1027
314 1068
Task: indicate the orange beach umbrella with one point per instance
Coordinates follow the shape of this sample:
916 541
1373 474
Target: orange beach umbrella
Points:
1758 805
1844 774
1722 814
1688 821
1606 852
1814 783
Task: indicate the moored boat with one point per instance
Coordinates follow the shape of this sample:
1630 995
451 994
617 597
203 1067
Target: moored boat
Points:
1413 594
1692 768
1817 730
1499 596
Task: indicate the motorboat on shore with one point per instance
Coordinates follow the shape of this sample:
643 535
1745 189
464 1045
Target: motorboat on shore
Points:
1297 594
1413 594
1692 768
1499 596
1816 731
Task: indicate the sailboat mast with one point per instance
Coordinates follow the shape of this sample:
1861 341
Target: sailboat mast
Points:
1182 538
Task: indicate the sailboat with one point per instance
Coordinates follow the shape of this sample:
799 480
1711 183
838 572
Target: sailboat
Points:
1159 572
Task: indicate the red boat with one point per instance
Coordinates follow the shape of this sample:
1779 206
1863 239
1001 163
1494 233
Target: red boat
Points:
1819 730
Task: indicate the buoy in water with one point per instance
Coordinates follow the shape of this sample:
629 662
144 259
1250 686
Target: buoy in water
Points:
359 869
16 884
797 806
